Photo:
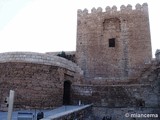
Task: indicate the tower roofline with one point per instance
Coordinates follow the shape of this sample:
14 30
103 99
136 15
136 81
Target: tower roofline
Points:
123 8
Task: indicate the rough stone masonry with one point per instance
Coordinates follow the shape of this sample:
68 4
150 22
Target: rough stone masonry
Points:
112 68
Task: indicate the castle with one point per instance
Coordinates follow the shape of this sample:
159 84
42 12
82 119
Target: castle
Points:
112 67
113 44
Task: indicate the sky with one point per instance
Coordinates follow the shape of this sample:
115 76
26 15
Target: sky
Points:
50 25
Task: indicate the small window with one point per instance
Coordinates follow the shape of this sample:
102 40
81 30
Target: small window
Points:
112 42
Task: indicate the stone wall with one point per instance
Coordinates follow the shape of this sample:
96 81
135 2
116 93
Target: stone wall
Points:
37 79
134 95
115 99
130 113
39 58
130 31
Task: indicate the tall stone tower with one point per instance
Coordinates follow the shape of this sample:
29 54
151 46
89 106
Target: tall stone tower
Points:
113 44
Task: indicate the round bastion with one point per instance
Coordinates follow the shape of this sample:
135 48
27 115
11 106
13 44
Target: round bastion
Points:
37 79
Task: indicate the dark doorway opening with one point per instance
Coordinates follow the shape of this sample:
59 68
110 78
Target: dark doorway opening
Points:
66 93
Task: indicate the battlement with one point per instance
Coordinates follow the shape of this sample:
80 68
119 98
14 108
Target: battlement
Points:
113 9
112 42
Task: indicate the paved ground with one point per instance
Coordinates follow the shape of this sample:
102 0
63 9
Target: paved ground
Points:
3 115
47 113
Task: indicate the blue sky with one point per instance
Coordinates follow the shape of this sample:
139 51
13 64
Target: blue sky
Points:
50 25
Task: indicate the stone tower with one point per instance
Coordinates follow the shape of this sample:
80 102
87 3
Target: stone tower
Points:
113 44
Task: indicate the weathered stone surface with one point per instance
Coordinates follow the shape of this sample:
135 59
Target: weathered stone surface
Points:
35 85
116 95
130 30
125 113
116 99
39 58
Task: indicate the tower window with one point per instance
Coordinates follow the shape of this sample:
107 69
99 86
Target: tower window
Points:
112 42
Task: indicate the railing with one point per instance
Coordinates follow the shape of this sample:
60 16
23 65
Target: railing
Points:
67 112
25 116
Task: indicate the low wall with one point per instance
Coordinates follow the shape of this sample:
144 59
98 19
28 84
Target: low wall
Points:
80 113
133 95
141 92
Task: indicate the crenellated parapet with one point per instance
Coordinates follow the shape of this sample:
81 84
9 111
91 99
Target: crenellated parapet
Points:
113 9
121 33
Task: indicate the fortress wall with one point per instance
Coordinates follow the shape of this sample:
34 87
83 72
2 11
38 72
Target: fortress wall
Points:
39 58
116 99
133 95
37 79
130 30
